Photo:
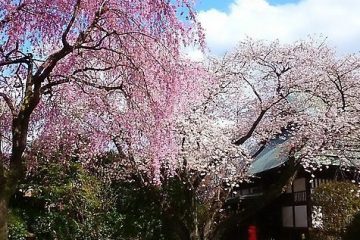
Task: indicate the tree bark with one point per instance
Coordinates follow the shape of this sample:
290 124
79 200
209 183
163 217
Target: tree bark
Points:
176 228
3 199
3 218
194 235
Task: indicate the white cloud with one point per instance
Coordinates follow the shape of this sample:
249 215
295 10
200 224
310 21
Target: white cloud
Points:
194 53
339 20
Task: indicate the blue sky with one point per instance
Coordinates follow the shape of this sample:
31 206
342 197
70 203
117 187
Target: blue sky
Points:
226 22
223 5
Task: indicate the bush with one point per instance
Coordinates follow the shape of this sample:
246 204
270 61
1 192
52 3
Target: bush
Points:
339 202
353 230
64 202
17 227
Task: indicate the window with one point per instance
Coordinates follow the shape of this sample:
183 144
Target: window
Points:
287 216
301 216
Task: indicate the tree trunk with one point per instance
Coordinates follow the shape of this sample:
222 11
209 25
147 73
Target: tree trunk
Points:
3 218
175 228
3 199
194 235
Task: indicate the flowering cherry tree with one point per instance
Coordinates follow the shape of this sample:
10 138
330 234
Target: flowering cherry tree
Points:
264 89
78 76
303 87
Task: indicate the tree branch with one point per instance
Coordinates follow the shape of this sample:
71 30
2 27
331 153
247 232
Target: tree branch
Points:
99 86
45 69
253 89
71 22
52 84
252 129
14 61
9 103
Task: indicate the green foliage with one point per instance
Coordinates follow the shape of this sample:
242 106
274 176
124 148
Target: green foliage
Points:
17 227
353 230
339 202
154 213
140 208
66 202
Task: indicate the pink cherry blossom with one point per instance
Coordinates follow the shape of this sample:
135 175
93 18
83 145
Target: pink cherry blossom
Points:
87 77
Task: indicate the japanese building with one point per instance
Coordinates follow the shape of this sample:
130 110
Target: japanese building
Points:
278 201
